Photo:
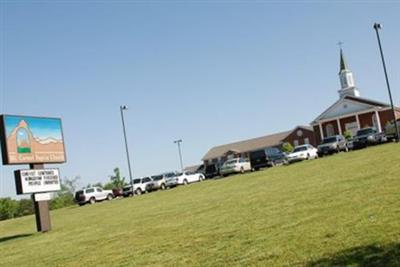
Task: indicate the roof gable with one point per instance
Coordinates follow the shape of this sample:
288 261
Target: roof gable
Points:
348 105
246 145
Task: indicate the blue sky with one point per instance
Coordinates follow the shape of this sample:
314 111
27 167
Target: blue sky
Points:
205 72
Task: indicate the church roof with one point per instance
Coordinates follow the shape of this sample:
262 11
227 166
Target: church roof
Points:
251 144
246 145
364 103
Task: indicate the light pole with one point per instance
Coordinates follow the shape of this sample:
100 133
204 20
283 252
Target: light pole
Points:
122 108
377 27
178 142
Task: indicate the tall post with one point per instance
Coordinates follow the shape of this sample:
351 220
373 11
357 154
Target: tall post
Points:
42 213
122 108
178 142
377 27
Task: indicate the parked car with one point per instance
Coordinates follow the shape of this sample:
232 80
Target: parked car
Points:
170 179
117 192
303 152
236 165
128 191
368 136
142 185
267 158
332 144
159 182
188 177
390 129
211 171
92 195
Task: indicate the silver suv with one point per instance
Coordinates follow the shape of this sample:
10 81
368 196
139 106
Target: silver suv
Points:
142 185
332 144
92 195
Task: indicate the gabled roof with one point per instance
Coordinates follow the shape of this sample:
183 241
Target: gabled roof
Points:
246 145
251 144
359 102
193 168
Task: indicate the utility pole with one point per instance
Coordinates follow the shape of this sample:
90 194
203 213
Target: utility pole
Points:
178 142
122 108
377 27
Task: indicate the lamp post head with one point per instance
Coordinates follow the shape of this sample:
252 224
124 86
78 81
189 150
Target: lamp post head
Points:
178 141
123 107
377 26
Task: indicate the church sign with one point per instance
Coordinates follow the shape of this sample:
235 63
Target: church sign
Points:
31 140
37 181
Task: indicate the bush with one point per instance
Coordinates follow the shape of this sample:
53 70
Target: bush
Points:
287 147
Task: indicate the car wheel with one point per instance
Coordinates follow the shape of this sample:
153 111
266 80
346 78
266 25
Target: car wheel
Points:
163 187
109 197
185 182
308 157
138 192
92 200
241 170
81 204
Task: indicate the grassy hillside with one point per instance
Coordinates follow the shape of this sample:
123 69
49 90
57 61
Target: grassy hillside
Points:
338 210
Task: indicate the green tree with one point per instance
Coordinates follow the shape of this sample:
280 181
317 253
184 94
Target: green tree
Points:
348 135
116 180
287 147
8 208
65 197
25 207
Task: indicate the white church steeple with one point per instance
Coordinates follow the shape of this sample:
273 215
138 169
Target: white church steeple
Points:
346 79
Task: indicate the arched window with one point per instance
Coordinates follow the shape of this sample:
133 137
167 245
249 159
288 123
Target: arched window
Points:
23 142
329 130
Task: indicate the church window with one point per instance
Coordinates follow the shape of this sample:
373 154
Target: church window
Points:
329 130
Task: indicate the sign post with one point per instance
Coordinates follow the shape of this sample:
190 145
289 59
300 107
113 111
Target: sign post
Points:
34 141
42 213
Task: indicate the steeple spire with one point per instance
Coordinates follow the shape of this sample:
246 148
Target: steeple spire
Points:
343 63
346 78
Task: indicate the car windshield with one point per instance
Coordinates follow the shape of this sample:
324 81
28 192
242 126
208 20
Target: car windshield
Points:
329 140
157 177
169 175
365 131
136 181
231 161
300 148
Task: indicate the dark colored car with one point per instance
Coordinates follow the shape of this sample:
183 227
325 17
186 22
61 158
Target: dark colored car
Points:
332 144
368 136
267 158
127 191
118 192
211 171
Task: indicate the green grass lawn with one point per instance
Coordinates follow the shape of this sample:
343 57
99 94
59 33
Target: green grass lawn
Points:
338 210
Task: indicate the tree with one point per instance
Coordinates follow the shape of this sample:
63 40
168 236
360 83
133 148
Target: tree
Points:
65 197
8 208
287 147
116 180
348 135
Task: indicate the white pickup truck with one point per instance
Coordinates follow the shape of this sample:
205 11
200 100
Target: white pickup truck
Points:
92 195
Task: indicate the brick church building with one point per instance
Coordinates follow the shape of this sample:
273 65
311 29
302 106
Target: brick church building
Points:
351 112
